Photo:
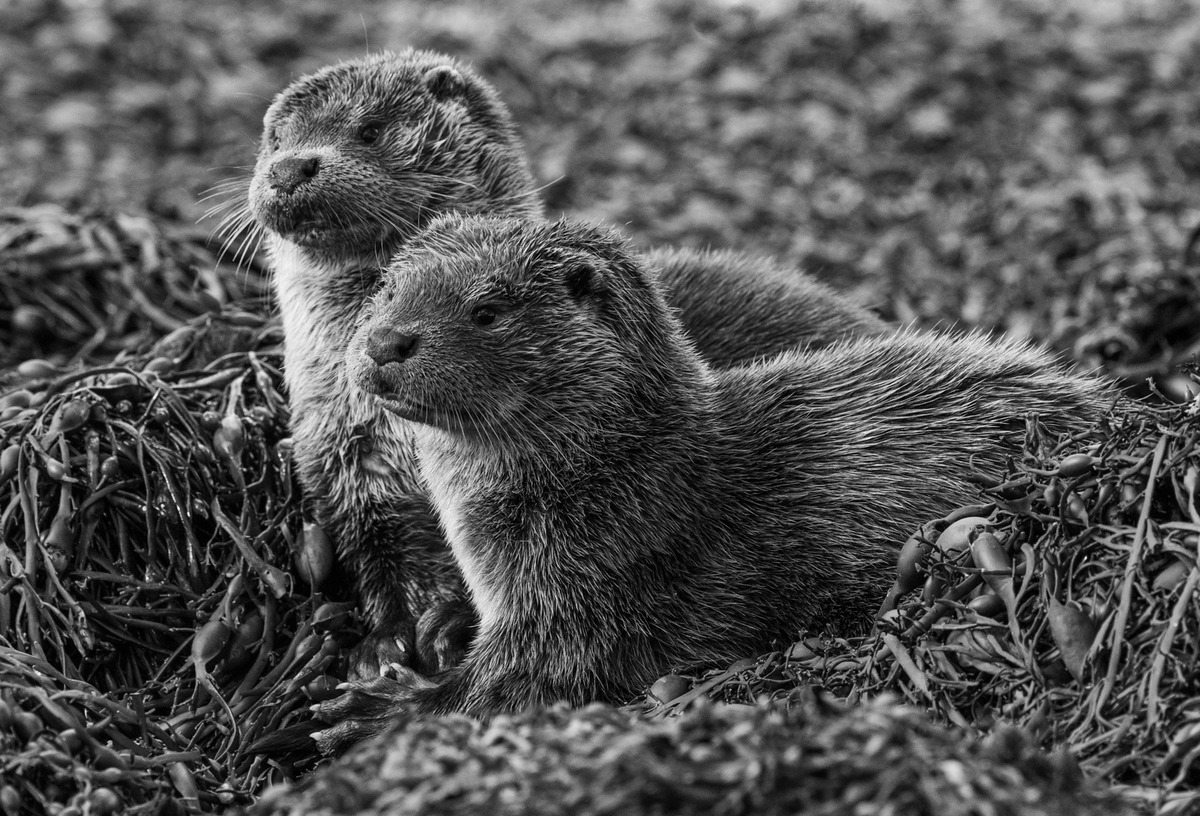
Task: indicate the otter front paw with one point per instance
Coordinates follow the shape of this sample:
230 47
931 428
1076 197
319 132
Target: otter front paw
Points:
366 708
444 633
385 646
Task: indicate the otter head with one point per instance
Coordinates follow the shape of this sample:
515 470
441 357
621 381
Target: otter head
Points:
500 330
356 157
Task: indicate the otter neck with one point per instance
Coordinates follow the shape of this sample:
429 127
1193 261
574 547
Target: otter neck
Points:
320 301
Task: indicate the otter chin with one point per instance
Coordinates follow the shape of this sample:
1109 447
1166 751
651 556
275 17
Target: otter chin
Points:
316 236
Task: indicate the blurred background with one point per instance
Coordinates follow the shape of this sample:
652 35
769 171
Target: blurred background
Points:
1015 165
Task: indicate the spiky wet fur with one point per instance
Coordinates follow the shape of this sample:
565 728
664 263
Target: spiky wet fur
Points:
444 146
737 308
619 507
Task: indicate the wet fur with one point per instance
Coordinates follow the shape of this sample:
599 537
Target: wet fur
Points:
446 144
737 308
620 507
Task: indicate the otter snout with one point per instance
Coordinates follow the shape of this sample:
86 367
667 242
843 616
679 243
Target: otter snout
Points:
290 172
387 345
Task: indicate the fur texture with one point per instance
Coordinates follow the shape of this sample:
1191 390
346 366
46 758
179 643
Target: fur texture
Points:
618 506
355 159
738 308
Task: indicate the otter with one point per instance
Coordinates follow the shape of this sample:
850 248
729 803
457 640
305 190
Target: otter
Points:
354 160
619 507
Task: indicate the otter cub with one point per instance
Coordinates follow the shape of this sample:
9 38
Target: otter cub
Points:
354 160
617 506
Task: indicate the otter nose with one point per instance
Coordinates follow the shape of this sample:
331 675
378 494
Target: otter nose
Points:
289 173
386 345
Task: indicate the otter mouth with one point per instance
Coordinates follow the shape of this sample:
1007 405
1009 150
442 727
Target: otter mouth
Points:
313 230
372 380
424 415
327 219
403 408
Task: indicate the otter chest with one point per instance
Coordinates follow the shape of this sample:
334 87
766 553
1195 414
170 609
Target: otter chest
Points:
464 518
353 454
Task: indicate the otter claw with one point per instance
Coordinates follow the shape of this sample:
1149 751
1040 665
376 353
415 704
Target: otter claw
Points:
363 710
380 649
366 708
339 738
394 670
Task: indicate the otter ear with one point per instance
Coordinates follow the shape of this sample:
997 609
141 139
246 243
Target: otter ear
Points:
586 280
444 82
615 255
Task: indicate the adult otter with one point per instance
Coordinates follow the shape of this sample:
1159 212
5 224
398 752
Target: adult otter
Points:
619 507
354 160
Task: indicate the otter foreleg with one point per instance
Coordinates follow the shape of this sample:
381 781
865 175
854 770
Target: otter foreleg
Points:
410 589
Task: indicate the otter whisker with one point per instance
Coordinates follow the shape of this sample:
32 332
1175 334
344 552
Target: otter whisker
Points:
239 184
247 248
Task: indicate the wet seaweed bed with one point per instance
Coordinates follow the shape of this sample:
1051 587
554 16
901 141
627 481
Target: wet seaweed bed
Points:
163 600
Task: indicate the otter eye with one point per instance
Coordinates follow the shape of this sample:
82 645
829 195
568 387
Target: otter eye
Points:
484 315
368 133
